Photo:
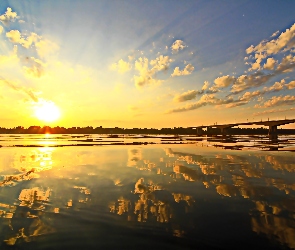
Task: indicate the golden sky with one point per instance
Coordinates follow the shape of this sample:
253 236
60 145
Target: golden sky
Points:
145 63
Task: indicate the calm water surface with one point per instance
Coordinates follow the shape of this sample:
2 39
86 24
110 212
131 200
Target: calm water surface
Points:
162 196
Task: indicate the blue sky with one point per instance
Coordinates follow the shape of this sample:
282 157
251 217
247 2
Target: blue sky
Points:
146 63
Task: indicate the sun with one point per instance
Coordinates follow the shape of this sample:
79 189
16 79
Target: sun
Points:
47 111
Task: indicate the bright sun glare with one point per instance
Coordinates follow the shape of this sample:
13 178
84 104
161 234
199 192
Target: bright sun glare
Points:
47 111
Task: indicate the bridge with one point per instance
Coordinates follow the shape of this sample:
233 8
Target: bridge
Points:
272 125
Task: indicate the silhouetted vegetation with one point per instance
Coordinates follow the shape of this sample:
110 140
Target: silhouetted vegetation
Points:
116 130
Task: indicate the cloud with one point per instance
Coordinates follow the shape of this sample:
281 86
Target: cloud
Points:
14 86
1 29
236 104
186 96
130 58
161 63
8 16
249 95
186 108
272 111
35 69
266 48
186 71
133 108
177 45
224 81
278 86
145 74
270 63
275 33
245 82
291 85
46 47
206 99
205 86
15 36
121 66
287 64
278 101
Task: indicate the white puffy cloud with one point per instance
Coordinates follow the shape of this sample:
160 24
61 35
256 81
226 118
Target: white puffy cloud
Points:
279 101
121 66
245 82
224 81
8 16
145 74
205 86
287 64
15 36
186 71
291 85
249 95
44 47
177 45
270 63
161 63
266 48
1 29
278 86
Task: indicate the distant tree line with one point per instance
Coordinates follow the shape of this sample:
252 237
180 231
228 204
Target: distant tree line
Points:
116 130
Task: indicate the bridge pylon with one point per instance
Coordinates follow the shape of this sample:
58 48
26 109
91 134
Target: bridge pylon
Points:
273 132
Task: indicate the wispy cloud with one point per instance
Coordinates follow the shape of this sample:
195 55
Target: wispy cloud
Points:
186 96
35 67
272 111
206 99
29 93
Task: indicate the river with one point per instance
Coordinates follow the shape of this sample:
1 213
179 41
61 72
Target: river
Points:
160 192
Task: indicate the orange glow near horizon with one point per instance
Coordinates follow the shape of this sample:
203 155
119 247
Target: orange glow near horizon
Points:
47 111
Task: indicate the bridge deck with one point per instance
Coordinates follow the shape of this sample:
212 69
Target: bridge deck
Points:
264 123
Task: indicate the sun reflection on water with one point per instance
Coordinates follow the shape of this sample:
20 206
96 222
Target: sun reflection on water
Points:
156 186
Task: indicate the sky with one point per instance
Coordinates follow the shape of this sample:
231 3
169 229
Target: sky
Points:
149 64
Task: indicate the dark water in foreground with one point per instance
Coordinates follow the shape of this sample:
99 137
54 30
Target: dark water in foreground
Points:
156 196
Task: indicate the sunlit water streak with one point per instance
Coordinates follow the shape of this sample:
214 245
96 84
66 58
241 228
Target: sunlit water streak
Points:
195 195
